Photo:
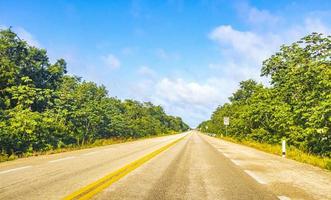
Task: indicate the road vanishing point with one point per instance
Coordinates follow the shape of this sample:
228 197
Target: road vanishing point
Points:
189 165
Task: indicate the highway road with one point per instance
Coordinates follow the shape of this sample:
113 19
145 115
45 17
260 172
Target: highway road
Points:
195 167
58 175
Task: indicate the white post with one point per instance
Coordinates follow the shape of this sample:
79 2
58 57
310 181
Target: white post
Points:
283 148
226 121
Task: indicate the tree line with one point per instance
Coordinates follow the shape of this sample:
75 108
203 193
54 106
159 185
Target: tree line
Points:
296 106
42 108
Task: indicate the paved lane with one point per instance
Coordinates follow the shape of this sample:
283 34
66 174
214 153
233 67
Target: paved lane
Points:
55 176
286 178
193 169
196 167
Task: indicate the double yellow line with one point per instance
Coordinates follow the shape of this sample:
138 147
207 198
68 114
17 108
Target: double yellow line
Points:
94 188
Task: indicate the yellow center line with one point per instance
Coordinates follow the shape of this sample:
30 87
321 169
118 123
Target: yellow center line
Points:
94 188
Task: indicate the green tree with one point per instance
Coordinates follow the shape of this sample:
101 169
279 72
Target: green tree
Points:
42 108
297 105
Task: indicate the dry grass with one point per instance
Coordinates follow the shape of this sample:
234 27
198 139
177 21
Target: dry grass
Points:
291 152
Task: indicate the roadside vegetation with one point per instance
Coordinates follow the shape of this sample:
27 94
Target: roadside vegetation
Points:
42 109
295 107
74 147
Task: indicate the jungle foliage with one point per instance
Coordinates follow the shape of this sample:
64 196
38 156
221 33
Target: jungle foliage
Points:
42 108
296 106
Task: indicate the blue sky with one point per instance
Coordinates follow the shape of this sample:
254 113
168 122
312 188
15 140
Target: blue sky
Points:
187 56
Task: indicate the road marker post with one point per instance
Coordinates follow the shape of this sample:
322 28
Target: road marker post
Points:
283 148
226 121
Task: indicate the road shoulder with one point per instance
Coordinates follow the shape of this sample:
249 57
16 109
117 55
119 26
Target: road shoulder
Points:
283 176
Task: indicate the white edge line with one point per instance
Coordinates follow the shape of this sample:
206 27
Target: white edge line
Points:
258 179
236 162
226 155
15 169
61 159
284 198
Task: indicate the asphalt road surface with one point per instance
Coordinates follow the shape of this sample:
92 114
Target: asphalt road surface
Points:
193 169
197 167
58 175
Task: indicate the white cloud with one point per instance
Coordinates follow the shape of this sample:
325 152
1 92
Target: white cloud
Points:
241 56
183 92
191 100
180 91
316 25
24 35
242 52
244 43
256 17
111 61
27 36
142 90
236 71
146 71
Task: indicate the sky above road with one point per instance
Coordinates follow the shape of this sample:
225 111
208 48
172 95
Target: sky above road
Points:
188 56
